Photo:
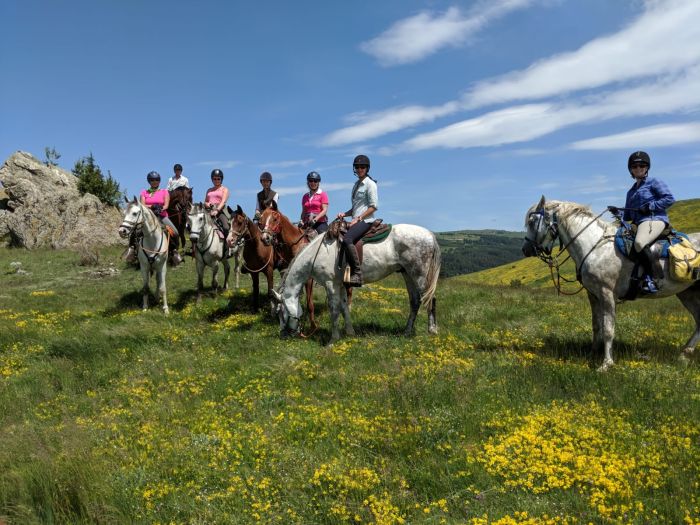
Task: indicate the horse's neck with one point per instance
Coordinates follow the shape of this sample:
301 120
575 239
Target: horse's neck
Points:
580 233
152 230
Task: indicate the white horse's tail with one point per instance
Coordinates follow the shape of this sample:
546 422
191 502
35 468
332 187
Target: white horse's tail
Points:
433 274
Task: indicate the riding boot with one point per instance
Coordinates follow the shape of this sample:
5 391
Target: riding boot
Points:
354 262
130 254
649 283
175 257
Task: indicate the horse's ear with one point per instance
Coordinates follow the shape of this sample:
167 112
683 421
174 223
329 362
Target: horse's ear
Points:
126 199
239 210
273 205
540 206
135 200
276 296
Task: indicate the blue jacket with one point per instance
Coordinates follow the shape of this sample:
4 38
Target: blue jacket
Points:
652 194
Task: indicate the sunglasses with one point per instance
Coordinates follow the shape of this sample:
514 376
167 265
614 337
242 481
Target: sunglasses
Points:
216 178
360 167
635 166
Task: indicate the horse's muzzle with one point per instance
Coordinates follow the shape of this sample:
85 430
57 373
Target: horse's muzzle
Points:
124 232
529 248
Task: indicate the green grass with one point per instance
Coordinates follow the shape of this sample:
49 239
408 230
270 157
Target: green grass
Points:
112 415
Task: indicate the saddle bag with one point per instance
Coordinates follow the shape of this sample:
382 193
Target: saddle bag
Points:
684 261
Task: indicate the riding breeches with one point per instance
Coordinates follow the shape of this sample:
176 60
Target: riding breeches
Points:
167 222
356 232
224 221
647 232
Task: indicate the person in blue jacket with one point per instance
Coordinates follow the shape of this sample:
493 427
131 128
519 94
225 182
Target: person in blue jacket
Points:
646 205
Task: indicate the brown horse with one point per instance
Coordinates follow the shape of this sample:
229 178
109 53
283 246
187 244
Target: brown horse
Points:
180 204
288 240
257 257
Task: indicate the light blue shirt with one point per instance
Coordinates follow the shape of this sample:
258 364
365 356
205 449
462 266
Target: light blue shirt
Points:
364 196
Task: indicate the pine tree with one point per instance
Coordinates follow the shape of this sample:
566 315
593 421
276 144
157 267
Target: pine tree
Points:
52 156
91 180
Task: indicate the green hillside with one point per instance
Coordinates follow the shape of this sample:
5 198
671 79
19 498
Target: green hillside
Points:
468 251
685 216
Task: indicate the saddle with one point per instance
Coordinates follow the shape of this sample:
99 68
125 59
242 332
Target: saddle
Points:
378 231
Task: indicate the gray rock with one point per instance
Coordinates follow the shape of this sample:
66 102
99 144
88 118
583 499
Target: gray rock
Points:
42 206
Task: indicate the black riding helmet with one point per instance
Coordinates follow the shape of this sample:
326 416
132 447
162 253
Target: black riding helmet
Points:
638 157
153 175
217 173
177 167
313 176
361 160
265 175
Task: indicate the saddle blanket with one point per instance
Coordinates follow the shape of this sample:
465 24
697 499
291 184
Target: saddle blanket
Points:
624 241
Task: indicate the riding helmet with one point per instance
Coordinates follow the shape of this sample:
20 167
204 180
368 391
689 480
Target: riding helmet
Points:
217 173
153 175
265 175
313 176
639 157
361 160
177 167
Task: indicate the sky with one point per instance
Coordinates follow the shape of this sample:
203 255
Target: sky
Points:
469 111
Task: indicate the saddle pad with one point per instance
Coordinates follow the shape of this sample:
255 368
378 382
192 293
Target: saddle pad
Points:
624 242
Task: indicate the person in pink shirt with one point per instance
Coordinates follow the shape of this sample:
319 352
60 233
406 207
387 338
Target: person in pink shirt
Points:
157 200
314 205
215 200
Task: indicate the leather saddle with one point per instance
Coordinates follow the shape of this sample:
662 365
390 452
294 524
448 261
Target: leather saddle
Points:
378 231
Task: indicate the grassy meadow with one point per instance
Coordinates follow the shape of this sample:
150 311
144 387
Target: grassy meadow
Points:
113 415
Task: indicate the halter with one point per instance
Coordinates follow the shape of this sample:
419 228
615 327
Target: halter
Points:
212 233
131 225
545 253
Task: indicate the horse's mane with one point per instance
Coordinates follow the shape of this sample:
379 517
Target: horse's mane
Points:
572 210
148 215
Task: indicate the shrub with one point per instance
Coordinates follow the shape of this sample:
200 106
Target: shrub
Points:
91 180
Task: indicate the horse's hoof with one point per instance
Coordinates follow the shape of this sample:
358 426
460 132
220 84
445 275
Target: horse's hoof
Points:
605 366
433 330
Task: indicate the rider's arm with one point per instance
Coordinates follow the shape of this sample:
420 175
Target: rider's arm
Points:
224 198
166 202
664 197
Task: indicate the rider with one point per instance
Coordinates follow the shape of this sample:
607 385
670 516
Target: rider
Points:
314 204
178 180
266 197
158 200
364 203
216 198
646 204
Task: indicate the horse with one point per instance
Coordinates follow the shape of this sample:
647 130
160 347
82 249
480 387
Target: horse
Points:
411 250
152 250
209 247
180 203
600 268
289 240
257 257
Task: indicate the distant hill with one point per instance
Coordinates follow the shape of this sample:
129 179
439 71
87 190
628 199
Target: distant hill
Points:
469 251
685 216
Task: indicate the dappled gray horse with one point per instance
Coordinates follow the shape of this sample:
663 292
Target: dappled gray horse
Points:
209 248
152 250
411 250
601 269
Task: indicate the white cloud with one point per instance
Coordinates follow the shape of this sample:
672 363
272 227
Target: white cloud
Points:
661 45
663 40
421 35
283 164
221 164
300 190
659 135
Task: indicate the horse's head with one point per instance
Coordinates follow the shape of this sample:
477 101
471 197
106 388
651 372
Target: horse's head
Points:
270 224
289 313
197 218
133 217
238 230
541 231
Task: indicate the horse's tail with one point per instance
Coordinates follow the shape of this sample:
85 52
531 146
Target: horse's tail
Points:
433 274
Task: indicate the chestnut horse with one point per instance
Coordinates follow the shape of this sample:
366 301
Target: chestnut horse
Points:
288 240
257 257
180 204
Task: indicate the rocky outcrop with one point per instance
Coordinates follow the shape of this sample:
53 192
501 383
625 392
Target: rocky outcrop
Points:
42 206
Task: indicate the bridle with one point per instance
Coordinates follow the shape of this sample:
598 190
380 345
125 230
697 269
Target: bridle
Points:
132 225
212 233
544 252
240 241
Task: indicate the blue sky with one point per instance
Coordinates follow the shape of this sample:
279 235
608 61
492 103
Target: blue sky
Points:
469 111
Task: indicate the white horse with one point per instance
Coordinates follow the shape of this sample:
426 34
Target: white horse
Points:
209 247
153 249
411 250
601 270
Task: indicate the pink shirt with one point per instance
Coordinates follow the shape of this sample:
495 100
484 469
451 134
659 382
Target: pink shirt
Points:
313 204
215 196
157 197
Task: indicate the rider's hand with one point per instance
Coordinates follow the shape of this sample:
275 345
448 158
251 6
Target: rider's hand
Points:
614 210
340 216
645 208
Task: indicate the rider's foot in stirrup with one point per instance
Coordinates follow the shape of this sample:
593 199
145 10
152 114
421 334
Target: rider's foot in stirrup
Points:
130 255
649 286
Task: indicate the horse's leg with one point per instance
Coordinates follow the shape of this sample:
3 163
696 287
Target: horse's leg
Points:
256 289
214 272
237 270
596 322
432 319
227 271
145 289
310 303
336 305
690 298
160 278
606 320
270 274
414 300
348 294
200 275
